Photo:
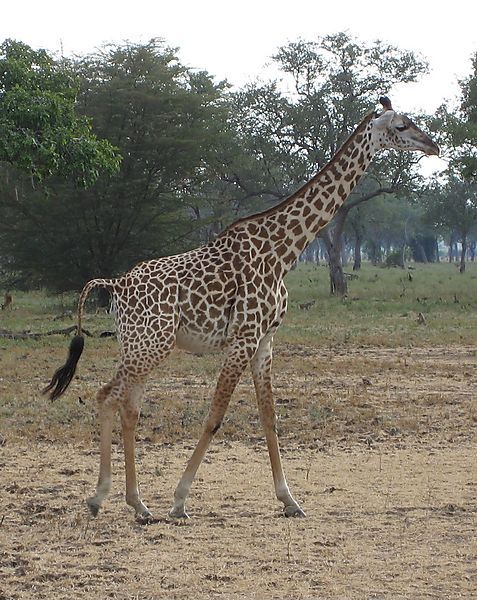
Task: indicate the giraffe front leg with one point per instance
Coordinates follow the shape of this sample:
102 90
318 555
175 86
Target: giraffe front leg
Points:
178 510
235 364
212 425
261 372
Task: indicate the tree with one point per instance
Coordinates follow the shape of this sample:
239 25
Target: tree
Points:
465 133
40 132
388 225
334 81
166 122
456 127
452 205
453 208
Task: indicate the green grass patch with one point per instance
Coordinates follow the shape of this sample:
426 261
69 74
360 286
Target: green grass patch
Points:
381 308
383 305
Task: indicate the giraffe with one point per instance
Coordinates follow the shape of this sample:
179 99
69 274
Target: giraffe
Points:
229 296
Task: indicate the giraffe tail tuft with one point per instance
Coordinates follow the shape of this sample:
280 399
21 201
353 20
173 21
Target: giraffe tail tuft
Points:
63 376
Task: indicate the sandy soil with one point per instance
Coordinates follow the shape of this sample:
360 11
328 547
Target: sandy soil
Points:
388 480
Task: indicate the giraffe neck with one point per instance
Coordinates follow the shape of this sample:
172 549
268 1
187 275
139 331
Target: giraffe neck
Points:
284 231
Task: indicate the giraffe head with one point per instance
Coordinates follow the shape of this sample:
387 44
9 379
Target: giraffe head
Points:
393 130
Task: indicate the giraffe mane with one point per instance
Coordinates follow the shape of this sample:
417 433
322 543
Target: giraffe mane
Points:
299 191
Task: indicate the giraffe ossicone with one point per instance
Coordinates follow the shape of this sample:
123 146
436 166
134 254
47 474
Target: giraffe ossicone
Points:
228 296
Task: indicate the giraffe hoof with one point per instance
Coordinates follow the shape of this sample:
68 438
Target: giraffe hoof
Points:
294 511
145 518
93 507
178 513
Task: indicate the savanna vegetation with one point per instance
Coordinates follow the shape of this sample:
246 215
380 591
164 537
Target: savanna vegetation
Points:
428 306
377 422
127 154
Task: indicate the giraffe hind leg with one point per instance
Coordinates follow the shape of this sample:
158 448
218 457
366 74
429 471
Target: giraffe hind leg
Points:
129 417
126 395
107 406
261 371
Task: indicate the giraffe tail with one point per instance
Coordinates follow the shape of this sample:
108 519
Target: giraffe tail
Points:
63 376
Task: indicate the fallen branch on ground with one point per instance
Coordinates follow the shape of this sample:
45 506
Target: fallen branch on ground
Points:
25 335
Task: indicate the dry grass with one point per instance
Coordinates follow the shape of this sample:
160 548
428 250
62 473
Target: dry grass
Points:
379 444
382 523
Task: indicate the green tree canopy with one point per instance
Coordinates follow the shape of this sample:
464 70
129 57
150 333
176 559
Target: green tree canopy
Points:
40 132
291 128
452 208
166 121
465 135
456 126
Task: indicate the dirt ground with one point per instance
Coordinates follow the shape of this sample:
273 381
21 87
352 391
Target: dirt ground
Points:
379 446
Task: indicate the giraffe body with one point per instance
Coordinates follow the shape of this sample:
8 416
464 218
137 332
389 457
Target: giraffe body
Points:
200 309
228 296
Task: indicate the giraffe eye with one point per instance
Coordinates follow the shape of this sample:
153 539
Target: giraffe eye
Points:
401 127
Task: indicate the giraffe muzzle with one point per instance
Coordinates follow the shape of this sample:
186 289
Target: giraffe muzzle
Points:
433 150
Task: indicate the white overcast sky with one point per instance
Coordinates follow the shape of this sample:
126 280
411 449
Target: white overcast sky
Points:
234 40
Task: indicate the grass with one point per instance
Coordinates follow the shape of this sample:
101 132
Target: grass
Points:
382 307
377 423
380 315
380 312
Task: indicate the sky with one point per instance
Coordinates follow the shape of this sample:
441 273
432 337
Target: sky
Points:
235 40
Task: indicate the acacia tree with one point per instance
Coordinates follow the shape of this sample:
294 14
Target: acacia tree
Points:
332 83
453 205
457 128
42 139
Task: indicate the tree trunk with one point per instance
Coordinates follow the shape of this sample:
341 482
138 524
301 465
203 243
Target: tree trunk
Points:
334 240
338 283
344 255
357 252
463 253
376 253
402 252
418 250
431 248
472 246
437 250
451 246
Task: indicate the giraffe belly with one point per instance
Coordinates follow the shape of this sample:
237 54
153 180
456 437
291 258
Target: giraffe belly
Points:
199 342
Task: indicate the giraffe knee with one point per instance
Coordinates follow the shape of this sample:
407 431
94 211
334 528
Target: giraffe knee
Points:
103 393
129 416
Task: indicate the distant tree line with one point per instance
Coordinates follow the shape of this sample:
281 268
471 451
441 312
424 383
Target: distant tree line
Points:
126 154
